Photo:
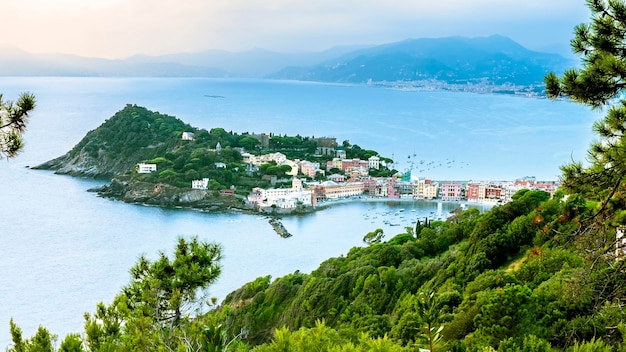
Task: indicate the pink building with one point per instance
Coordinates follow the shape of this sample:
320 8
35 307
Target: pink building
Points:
256 196
308 168
348 165
472 192
450 191
392 189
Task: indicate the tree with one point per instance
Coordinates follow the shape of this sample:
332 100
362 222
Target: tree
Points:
429 314
153 312
601 78
375 236
13 120
163 289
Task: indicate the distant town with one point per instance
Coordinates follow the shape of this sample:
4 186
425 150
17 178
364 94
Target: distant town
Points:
481 86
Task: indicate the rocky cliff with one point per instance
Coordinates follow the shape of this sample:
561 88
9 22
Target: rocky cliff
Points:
164 195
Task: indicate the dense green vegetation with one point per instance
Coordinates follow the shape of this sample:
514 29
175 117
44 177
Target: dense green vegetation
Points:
135 135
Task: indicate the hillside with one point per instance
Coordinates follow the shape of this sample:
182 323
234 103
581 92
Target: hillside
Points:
514 276
456 60
134 134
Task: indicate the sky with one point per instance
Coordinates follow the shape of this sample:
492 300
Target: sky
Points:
123 28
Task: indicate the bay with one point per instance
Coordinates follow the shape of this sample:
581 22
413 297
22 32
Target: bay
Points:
64 249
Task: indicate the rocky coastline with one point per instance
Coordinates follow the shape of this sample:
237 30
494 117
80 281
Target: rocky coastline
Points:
164 195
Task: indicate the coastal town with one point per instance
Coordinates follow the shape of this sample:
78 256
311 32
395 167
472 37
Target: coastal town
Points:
308 185
357 184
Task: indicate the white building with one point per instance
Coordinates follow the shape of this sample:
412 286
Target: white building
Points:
374 162
143 168
200 184
282 198
277 157
188 136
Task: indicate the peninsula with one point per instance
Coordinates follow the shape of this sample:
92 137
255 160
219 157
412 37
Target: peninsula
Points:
157 159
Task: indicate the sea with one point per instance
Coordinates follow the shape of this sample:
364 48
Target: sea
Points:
63 249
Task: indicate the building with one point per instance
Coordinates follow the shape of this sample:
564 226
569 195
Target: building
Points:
392 189
451 191
472 192
334 164
278 157
494 193
349 165
188 136
374 162
143 168
333 190
281 198
425 189
309 169
326 142
200 184
337 178
263 138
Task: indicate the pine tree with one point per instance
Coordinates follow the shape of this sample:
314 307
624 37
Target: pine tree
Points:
13 120
599 83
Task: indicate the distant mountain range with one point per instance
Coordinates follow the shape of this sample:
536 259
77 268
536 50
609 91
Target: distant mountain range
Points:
493 59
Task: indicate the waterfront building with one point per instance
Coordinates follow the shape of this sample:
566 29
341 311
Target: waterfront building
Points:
472 191
431 189
451 191
494 193
425 189
392 190
282 198
333 190
405 189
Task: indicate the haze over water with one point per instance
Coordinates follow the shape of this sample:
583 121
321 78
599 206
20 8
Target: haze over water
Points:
64 250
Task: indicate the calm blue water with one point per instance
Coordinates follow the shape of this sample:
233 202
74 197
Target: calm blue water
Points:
64 250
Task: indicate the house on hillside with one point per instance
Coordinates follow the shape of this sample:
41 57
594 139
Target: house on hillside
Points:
143 168
200 184
188 136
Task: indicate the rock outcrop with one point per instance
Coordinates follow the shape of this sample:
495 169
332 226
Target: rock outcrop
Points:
165 195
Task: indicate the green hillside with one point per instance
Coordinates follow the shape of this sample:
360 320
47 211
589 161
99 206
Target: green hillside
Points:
136 134
519 274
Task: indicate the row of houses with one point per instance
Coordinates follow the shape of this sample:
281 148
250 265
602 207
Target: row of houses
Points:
392 188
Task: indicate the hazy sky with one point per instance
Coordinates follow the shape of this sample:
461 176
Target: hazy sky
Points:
122 28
